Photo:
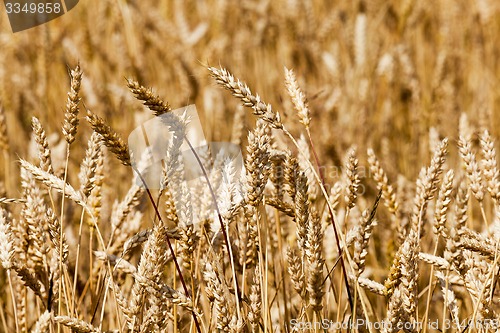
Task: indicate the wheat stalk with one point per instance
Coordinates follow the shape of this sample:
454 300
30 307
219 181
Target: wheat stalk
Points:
54 182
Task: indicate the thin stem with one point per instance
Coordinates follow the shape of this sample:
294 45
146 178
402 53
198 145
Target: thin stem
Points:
283 273
355 301
61 236
91 254
223 228
13 299
429 292
445 306
483 214
2 316
169 243
332 218
77 261
101 321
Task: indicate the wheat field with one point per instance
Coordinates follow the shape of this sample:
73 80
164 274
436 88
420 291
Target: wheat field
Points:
368 201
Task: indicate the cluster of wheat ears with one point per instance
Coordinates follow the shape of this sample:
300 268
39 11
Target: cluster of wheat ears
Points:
292 251
369 199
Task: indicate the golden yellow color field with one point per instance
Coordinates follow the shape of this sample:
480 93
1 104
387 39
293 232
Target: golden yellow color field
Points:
369 200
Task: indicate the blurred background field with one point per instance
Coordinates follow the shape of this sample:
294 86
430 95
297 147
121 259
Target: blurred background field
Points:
395 76
376 73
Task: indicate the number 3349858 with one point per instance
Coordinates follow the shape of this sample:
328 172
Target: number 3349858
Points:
32 8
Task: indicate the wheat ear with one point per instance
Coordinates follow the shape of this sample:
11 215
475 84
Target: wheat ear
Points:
241 91
43 145
471 167
76 325
152 101
110 138
297 96
71 115
489 165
